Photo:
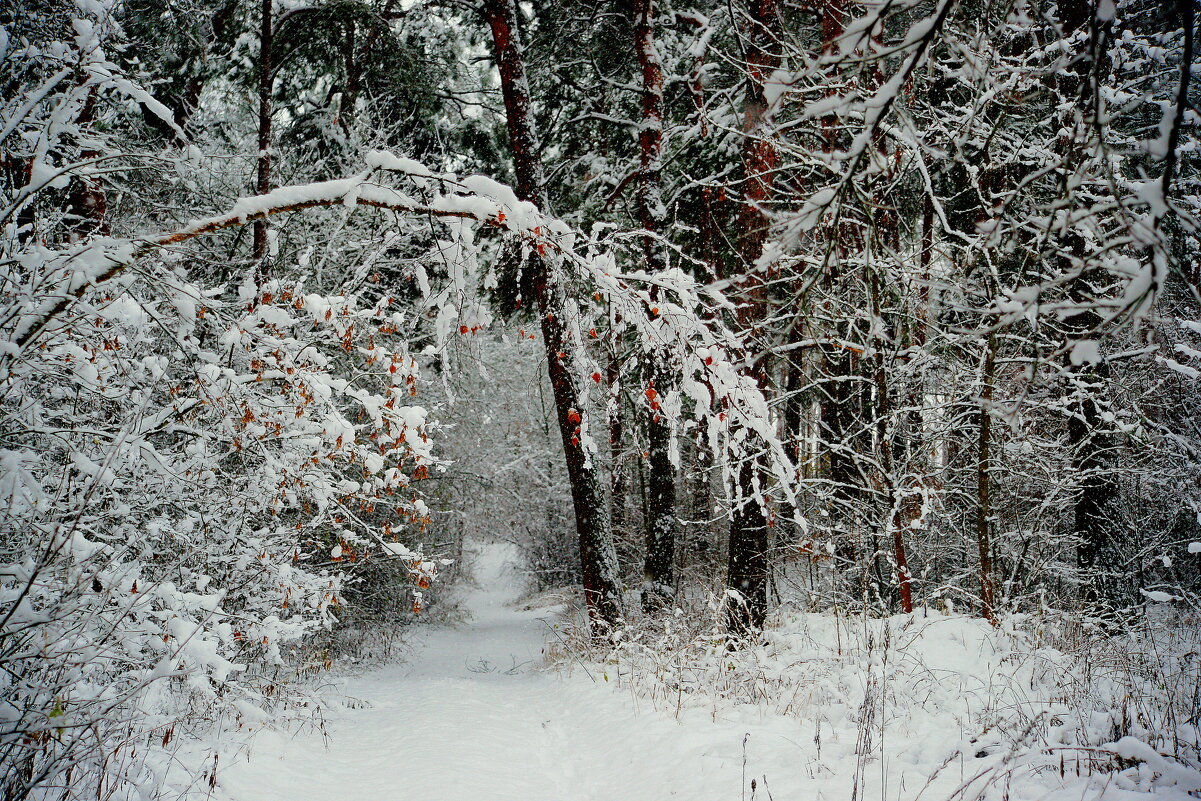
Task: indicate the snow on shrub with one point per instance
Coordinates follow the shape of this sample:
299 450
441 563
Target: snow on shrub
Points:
183 474
932 705
186 465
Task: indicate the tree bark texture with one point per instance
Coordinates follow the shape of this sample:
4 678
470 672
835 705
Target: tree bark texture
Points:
661 525
1086 381
747 572
263 178
598 558
984 482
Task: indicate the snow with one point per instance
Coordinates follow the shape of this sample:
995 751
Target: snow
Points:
1183 369
1172 774
472 716
382 159
397 549
1086 351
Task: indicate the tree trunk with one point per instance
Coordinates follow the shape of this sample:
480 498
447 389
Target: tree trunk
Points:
354 59
617 465
983 482
87 204
892 451
747 567
838 414
598 559
908 448
263 180
893 447
792 434
353 67
840 411
1086 382
658 584
1089 446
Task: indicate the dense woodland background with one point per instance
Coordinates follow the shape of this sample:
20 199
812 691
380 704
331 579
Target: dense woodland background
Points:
843 307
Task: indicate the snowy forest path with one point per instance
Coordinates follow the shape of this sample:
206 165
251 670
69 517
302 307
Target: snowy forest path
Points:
469 717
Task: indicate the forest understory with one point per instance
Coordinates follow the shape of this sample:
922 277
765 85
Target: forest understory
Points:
505 704
600 399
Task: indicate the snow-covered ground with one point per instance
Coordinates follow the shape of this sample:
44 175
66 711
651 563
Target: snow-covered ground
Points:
470 717
890 715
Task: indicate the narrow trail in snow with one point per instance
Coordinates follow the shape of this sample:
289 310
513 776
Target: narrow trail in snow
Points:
469 718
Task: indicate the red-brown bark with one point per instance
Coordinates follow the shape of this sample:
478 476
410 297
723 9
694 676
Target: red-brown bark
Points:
86 200
747 568
597 556
262 183
661 524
